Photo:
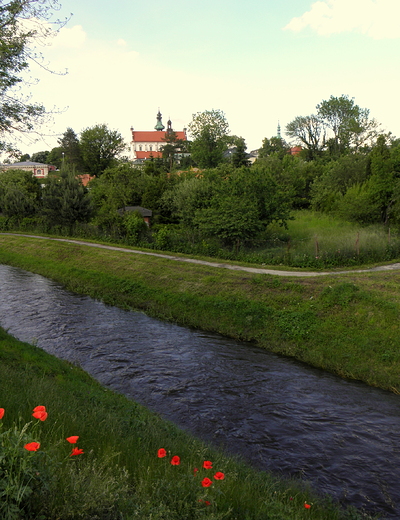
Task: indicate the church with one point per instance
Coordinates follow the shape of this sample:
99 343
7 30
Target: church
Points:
149 144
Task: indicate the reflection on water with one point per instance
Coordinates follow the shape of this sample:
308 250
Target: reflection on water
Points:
282 416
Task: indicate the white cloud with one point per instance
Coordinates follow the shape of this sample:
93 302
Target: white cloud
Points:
69 38
378 19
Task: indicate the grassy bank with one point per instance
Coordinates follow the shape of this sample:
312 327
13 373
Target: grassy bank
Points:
119 475
347 324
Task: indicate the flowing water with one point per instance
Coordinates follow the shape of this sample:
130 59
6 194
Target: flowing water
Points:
341 436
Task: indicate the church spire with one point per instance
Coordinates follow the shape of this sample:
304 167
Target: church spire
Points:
159 126
279 131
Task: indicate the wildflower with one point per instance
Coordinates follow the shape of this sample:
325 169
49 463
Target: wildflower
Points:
32 446
161 453
206 482
76 451
207 464
39 409
195 471
73 439
42 416
307 506
39 412
219 475
175 461
1 413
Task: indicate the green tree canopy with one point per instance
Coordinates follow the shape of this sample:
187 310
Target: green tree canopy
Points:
239 156
71 150
119 186
209 130
55 157
348 123
100 148
20 193
243 203
65 200
40 157
273 146
309 131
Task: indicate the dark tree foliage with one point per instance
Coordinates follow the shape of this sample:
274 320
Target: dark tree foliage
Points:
239 156
40 157
70 150
65 200
19 193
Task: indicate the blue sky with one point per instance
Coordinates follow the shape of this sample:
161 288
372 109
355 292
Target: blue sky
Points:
259 62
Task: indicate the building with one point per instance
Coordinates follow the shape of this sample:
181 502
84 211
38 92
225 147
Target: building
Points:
149 144
38 170
146 213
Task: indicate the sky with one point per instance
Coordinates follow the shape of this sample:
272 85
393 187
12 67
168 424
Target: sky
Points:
260 62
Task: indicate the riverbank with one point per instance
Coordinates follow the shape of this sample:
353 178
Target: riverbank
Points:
118 471
345 323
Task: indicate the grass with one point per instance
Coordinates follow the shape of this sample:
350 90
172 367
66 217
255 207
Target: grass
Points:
320 240
119 475
347 324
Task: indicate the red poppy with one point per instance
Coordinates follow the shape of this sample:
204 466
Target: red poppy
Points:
1 413
207 503
73 439
307 506
76 451
175 461
219 475
32 446
207 464
42 416
195 471
206 482
161 453
39 409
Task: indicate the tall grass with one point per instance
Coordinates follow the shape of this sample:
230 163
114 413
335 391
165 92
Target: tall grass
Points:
318 240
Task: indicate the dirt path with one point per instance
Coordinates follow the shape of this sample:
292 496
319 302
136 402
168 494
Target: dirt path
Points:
260 270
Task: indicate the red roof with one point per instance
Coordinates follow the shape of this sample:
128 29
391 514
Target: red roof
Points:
147 155
154 136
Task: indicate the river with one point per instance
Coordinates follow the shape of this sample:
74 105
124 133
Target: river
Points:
280 415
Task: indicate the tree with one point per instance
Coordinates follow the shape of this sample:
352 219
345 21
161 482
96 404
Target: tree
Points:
40 157
242 205
71 150
239 156
65 200
173 149
100 147
310 132
274 145
55 157
20 193
209 130
349 124
120 186
17 39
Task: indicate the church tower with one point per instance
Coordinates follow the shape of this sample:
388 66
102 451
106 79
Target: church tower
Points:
159 126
